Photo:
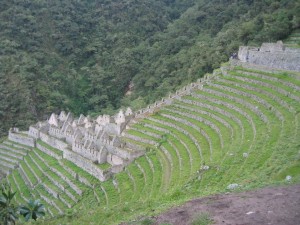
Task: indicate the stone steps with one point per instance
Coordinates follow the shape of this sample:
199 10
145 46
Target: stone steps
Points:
10 181
139 178
175 162
74 174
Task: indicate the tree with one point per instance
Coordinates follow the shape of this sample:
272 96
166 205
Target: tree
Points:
8 211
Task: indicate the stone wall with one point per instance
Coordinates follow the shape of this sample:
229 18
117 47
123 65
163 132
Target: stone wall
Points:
126 154
273 55
186 90
87 165
53 142
48 152
34 132
21 138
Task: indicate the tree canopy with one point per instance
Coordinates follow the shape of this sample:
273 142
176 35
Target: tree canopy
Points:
82 55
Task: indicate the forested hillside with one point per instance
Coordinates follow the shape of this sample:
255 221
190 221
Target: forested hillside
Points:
82 55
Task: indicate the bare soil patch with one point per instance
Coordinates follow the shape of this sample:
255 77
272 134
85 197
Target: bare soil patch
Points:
274 206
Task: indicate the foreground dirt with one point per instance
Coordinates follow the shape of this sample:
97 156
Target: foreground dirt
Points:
274 206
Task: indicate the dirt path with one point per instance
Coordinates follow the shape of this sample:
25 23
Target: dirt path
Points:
274 206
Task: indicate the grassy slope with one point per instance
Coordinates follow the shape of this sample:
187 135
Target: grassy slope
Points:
172 173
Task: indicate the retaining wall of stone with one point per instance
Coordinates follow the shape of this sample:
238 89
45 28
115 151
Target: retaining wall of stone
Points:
87 165
21 139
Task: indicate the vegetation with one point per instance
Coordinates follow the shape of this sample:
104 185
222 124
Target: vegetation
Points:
176 168
202 219
33 210
82 56
9 211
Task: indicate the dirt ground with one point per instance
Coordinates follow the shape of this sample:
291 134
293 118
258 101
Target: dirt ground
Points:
274 206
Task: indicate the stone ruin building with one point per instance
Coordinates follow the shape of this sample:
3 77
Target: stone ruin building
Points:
273 55
85 141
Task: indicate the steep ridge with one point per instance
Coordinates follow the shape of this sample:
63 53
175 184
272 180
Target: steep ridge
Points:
239 125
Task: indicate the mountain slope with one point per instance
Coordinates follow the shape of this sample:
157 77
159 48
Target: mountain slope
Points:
82 56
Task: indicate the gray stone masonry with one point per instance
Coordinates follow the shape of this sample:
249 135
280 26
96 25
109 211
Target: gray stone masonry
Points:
273 55
84 141
20 138
12 154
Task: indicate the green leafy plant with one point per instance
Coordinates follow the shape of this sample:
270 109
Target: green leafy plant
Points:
33 210
8 211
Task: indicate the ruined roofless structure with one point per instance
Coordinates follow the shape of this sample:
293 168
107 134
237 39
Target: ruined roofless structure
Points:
272 55
84 141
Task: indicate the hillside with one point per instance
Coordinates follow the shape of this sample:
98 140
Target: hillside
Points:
237 128
82 56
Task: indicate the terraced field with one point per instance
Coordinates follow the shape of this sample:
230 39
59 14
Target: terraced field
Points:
242 128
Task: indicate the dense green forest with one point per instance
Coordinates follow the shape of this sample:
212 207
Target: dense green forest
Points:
83 55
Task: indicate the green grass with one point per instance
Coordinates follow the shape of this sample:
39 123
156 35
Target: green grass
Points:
202 219
50 148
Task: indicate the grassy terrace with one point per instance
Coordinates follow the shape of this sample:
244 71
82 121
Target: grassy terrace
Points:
212 127
54 150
